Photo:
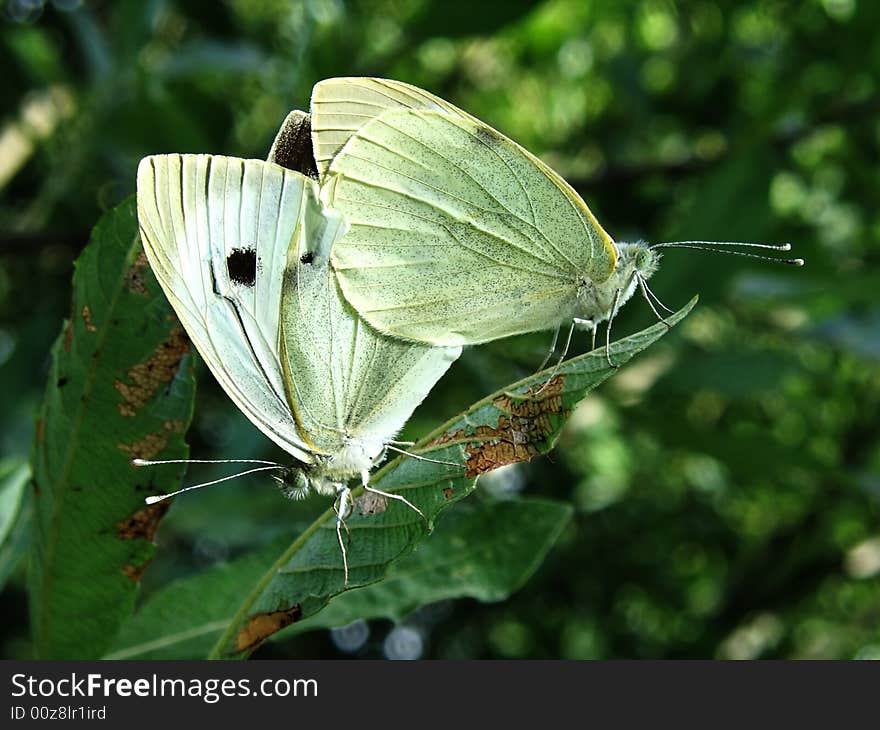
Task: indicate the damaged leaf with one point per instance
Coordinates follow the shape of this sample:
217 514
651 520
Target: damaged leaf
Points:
482 551
262 625
516 424
371 503
228 610
119 387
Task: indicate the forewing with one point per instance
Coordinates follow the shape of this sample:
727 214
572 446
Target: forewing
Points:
457 235
216 231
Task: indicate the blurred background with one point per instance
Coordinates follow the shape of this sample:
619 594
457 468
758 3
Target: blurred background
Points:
726 484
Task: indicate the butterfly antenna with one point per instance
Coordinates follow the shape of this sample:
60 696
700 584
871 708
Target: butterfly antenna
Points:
147 462
719 247
160 497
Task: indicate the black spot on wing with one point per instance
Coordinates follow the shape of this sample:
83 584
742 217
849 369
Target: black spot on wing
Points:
242 266
293 146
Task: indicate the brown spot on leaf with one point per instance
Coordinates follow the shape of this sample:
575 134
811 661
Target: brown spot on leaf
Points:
370 503
153 443
87 318
68 336
147 447
261 626
531 405
41 430
520 433
134 572
147 377
513 439
448 492
134 277
448 438
142 525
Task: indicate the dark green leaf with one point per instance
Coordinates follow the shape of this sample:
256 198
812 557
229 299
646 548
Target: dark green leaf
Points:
183 619
507 427
485 551
119 387
513 425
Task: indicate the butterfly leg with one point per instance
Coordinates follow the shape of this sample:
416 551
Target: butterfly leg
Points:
561 357
343 508
611 317
648 295
365 480
590 326
550 351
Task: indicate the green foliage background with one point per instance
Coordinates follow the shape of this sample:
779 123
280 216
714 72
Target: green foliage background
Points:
725 484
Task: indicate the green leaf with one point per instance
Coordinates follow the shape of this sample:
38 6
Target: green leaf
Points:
120 386
15 511
183 619
512 425
485 551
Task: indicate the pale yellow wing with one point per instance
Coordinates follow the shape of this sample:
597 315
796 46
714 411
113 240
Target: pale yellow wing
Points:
457 236
351 388
341 106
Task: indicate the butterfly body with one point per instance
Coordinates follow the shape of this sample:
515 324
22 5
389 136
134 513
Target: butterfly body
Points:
596 301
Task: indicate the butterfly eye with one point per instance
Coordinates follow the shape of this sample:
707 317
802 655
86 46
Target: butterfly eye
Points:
294 484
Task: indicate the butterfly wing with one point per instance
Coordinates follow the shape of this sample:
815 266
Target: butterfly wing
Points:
341 106
457 235
216 231
292 147
354 388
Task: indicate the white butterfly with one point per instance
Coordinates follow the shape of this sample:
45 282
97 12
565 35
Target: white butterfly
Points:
231 242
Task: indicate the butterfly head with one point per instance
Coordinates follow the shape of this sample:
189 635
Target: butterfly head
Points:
293 483
636 260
